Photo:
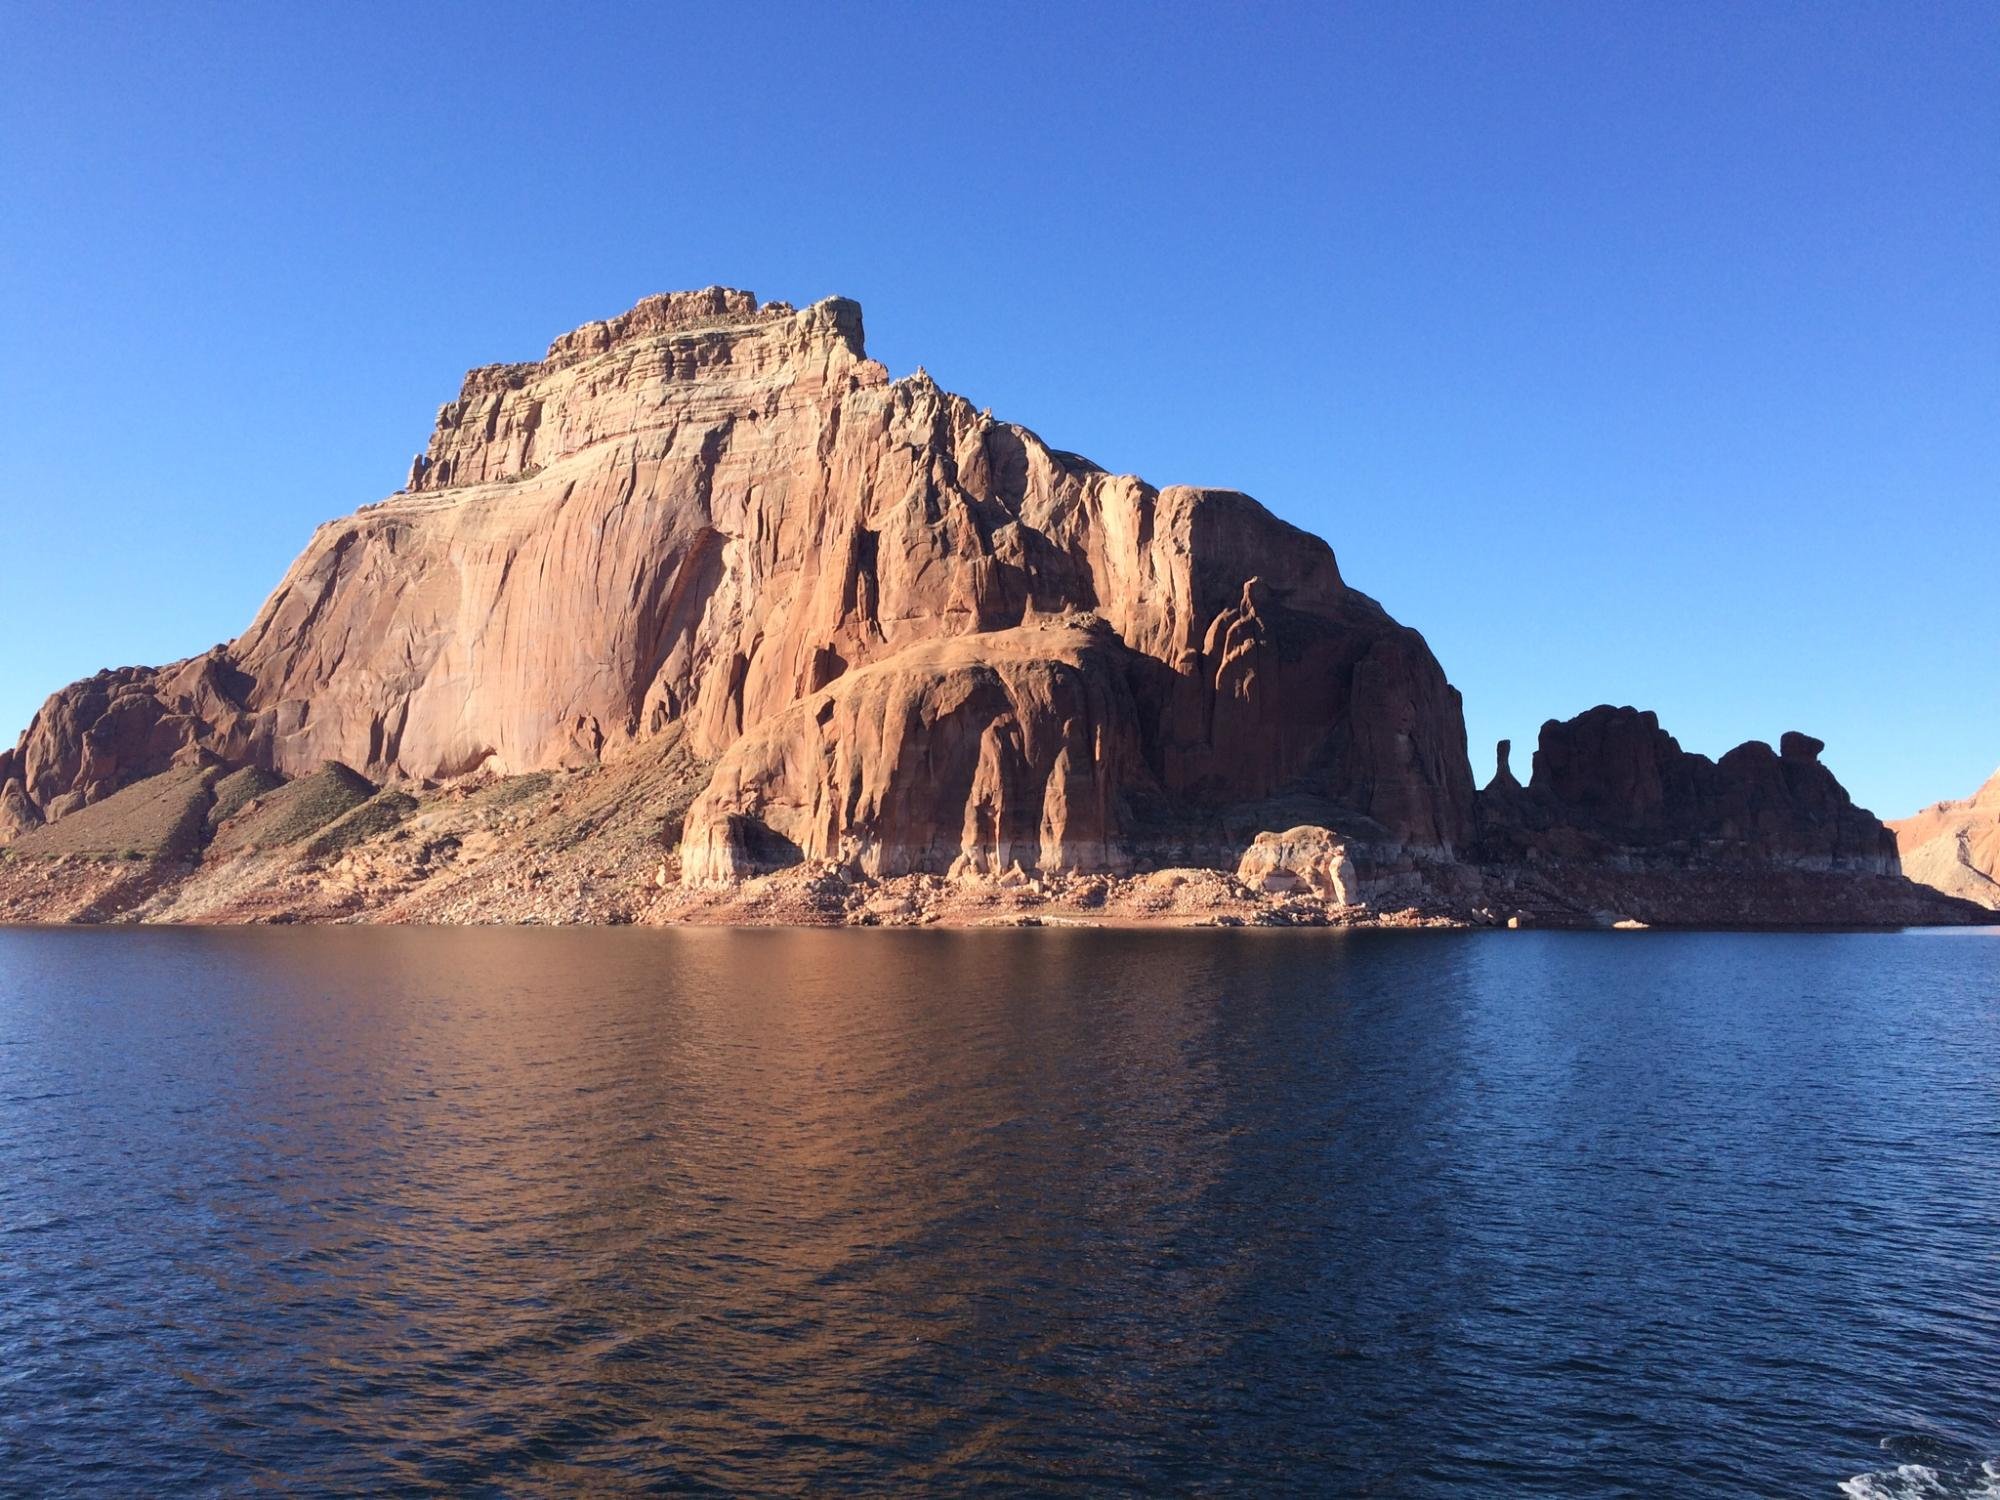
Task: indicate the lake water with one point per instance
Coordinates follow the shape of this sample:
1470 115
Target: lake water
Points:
615 1211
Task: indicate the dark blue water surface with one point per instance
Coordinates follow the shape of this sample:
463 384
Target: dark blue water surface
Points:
488 1211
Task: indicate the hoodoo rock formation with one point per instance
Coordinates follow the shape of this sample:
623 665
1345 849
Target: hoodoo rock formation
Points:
1611 784
704 597
1619 818
1955 846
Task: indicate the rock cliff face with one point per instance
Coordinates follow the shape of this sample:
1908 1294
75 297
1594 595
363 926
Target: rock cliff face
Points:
907 636
1955 846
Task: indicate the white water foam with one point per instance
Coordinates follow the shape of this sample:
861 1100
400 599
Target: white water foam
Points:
1923 1482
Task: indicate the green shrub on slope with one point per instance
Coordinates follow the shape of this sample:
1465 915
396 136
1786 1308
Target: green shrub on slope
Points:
378 814
298 809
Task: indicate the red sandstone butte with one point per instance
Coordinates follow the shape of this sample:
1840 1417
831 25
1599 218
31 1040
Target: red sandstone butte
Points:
907 634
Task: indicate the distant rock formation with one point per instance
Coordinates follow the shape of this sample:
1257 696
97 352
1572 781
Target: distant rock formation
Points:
1618 820
1955 846
1612 784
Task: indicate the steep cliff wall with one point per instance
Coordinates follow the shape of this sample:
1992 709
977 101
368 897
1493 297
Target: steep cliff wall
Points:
709 521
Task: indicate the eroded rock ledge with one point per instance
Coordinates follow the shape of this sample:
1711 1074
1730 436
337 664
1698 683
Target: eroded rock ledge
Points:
785 624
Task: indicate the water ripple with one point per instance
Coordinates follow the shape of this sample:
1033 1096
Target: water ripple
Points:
360 1211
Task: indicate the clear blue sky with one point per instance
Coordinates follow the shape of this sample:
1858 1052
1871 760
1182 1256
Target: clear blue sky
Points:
1647 354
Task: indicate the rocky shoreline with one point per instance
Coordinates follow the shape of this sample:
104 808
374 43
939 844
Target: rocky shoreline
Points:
590 847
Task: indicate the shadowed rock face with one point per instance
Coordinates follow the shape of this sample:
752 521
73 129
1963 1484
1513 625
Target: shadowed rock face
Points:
909 635
1611 785
1955 846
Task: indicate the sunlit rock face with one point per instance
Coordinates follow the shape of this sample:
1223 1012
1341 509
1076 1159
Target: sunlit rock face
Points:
1300 859
907 635
1955 846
